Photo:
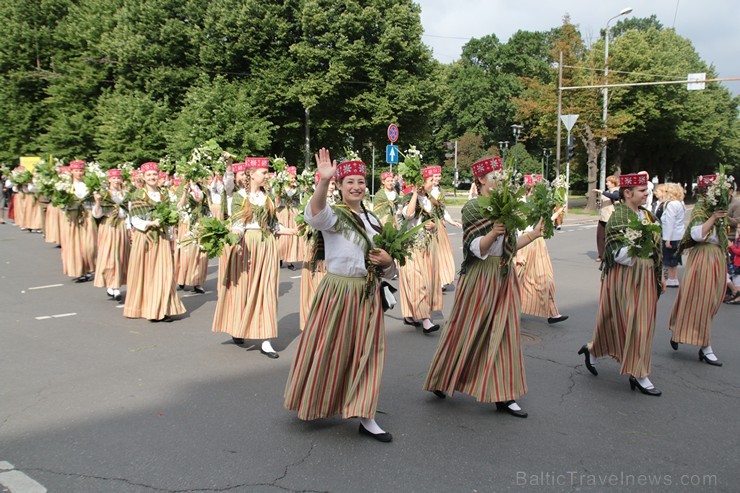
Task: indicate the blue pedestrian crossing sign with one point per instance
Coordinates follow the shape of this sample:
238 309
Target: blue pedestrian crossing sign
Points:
391 154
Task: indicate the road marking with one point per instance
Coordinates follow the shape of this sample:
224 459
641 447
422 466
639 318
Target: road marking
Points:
60 315
44 287
295 277
191 295
16 481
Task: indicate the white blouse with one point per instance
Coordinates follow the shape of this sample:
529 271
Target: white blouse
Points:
426 204
258 199
697 237
343 257
496 249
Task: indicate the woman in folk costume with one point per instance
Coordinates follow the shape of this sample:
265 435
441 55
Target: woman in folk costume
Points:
81 233
113 236
150 284
536 278
290 247
314 266
421 288
33 213
249 270
191 264
52 219
339 362
217 196
445 257
385 205
703 288
479 352
630 286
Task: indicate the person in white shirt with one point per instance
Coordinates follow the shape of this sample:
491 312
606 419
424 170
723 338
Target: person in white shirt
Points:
339 362
672 220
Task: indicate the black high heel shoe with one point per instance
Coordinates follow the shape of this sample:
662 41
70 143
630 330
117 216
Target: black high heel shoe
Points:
703 357
634 383
504 406
587 356
439 394
674 345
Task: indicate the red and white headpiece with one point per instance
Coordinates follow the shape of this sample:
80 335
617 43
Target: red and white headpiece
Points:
385 175
317 178
436 170
113 172
351 168
705 180
63 169
538 178
135 173
176 182
633 180
163 174
291 170
528 180
150 166
407 190
239 168
77 164
428 172
257 163
485 166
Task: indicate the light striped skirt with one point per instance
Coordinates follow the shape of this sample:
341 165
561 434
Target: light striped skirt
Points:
51 224
32 214
339 362
625 323
150 290
19 209
699 296
445 258
191 265
290 247
537 281
479 352
310 280
417 285
79 244
114 248
216 211
248 288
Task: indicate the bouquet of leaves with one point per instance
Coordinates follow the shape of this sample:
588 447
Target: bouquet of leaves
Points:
280 181
211 235
127 169
410 168
559 187
300 219
20 176
166 212
167 164
95 178
505 205
640 235
5 170
718 192
541 204
205 160
64 192
397 242
46 176
305 180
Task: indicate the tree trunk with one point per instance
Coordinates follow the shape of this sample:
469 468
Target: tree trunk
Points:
593 149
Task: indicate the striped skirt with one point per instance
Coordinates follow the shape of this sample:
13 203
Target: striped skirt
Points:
536 280
699 296
290 247
191 265
51 224
150 290
114 248
79 244
416 288
19 209
445 258
339 362
625 323
32 214
310 280
216 211
248 277
479 351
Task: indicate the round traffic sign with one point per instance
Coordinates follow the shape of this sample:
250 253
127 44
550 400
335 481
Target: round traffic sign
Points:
392 132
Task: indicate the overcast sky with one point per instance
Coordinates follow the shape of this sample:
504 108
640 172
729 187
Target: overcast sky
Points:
711 25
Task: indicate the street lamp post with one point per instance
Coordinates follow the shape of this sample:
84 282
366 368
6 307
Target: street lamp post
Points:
547 153
602 170
503 146
517 130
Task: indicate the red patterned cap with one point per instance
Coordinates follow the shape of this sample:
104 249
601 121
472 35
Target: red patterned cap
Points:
351 168
633 180
528 180
385 175
177 181
291 170
436 170
77 164
239 168
113 172
407 190
705 180
150 166
538 178
163 174
428 172
63 169
257 163
485 166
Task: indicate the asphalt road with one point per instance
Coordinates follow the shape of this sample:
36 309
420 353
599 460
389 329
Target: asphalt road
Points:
93 402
